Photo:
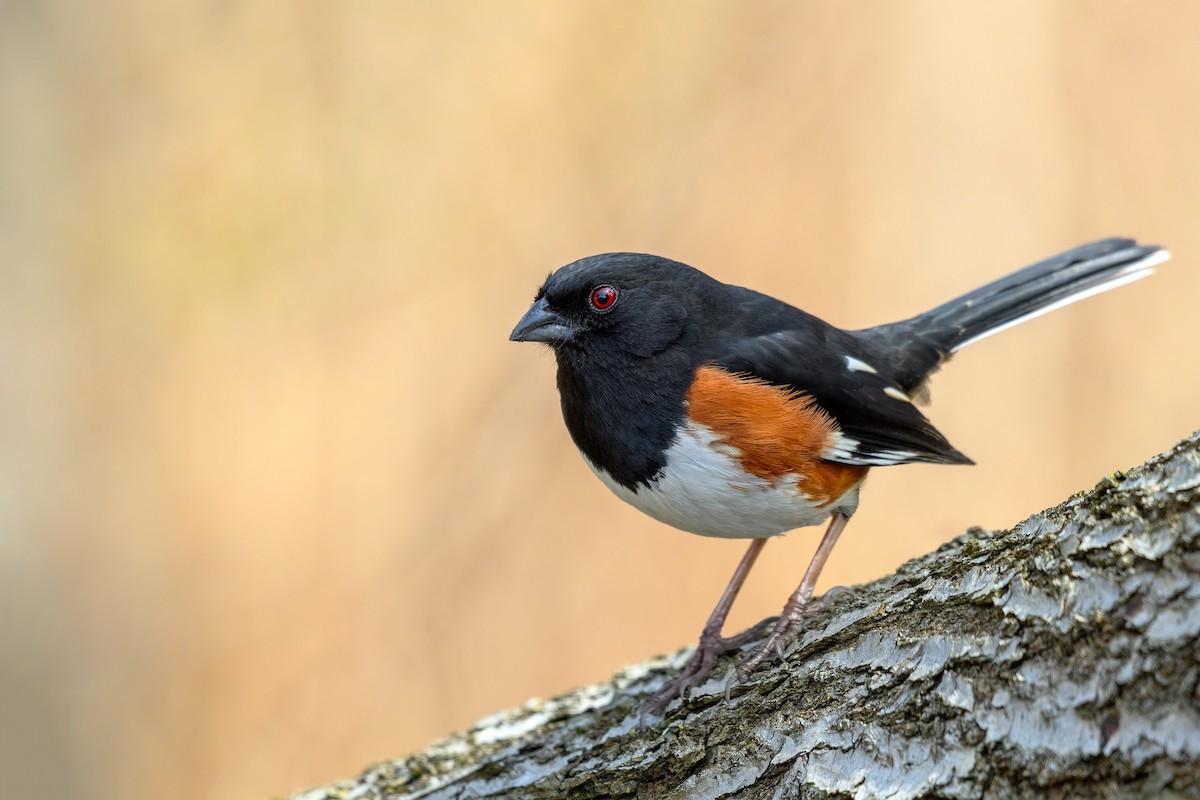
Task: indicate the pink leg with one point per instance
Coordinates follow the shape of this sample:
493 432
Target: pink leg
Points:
712 644
793 610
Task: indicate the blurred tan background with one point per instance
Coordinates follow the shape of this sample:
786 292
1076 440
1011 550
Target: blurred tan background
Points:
277 496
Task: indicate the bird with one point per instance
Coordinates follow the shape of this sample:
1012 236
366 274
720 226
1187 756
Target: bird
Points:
725 412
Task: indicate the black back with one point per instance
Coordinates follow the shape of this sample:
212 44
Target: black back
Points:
623 377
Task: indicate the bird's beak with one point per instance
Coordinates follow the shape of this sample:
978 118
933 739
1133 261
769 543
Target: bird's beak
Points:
540 324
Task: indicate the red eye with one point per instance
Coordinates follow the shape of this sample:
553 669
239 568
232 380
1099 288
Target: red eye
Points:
603 298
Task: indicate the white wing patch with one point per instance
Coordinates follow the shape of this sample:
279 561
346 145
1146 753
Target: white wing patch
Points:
887 458
844 450
854 365
896 394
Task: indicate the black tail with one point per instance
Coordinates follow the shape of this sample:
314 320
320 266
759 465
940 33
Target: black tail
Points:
917 347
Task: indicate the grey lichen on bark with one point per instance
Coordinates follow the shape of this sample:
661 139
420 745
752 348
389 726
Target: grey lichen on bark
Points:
1055 659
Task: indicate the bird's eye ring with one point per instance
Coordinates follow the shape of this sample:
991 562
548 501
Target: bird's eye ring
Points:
603 298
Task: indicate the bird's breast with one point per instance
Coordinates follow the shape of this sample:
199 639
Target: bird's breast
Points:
705 488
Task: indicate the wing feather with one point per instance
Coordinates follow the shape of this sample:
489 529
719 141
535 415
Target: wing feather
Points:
877 421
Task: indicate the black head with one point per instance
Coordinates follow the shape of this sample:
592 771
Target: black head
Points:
636 304
623 329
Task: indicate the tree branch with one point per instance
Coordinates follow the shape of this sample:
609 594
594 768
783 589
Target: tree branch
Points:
1056 659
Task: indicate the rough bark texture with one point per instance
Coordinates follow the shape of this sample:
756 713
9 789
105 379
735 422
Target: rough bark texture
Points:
1056 659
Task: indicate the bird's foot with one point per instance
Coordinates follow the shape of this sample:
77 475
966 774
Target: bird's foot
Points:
712 646
781 636
786 630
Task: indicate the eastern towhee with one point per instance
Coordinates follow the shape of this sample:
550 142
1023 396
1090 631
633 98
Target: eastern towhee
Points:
725 412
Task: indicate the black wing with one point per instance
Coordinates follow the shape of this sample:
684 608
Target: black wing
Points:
879 423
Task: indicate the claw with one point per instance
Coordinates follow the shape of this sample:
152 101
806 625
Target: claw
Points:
780 635
835 593
698 668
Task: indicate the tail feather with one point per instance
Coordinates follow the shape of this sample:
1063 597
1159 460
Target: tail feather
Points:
917 347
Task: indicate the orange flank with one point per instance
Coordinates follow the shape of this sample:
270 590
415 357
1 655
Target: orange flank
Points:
774 430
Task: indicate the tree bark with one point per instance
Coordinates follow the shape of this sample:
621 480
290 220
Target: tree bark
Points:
1056 659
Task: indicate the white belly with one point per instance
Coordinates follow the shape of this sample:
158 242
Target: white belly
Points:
704 490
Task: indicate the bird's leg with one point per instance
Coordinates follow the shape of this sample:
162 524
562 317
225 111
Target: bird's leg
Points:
794 609
712 643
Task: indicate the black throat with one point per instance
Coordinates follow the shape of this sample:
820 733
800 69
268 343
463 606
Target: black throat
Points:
622 410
